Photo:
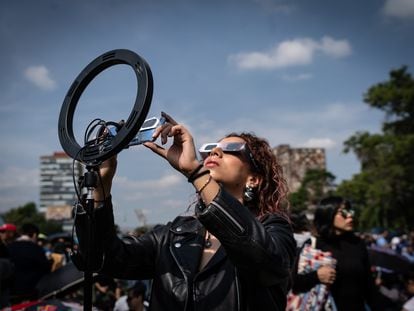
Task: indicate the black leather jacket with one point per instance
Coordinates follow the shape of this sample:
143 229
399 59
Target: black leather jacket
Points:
250 271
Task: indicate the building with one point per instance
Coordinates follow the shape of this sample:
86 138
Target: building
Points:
57 191
296 161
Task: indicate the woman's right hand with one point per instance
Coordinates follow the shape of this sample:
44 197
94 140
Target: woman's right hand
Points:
181 154
104 184
326 275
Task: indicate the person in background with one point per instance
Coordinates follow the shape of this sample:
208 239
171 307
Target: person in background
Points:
105 296
30 263
7 235
301 229
351 282
134 298
235 253
408 252
409 291
382 239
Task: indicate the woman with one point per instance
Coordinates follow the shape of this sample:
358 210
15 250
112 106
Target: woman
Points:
350 282
234 254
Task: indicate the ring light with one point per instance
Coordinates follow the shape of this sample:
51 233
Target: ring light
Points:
92 154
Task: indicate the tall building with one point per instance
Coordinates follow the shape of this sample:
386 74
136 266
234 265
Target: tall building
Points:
57 191
296 161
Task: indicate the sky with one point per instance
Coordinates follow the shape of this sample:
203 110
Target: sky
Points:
294 72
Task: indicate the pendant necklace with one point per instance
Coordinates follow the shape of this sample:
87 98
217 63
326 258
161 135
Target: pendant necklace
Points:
207 243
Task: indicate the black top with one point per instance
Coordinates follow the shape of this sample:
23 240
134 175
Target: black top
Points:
31 264
4 253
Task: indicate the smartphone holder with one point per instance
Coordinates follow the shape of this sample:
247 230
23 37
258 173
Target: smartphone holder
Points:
96 153
92 155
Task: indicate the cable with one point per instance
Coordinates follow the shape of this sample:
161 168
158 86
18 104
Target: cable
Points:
91 126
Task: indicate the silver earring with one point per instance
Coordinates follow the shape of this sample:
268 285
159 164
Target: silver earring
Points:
248 194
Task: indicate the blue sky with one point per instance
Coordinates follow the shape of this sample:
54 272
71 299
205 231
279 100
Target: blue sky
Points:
292 71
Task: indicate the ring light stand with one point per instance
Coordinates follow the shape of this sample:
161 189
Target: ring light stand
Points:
92 155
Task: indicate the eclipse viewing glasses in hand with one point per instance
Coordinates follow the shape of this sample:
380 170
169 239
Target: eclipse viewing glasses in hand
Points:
108 131
146 131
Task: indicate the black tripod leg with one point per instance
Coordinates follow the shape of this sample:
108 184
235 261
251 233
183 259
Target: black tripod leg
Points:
87 290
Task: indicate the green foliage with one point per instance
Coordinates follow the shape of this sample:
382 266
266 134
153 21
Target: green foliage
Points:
396 98
298 200
315 184
384 189
28 214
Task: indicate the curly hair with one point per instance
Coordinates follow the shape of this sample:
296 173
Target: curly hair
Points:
271 194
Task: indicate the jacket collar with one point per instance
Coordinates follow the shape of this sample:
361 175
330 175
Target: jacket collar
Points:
187 243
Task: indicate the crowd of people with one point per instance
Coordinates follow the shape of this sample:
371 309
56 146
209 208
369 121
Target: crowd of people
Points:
395 287
241 249
27 257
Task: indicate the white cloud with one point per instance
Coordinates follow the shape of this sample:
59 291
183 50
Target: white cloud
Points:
40 76
296 52
326 143
329 116
399 8
335 48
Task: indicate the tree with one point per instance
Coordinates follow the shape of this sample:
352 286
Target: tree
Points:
384 189
29 214
315 184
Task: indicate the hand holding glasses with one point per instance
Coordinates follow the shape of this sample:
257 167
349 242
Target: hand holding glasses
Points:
146 131
110 129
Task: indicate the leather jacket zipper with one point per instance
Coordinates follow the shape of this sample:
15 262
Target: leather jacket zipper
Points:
185 276
236 279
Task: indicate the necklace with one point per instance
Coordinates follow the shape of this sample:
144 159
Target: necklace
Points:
207 243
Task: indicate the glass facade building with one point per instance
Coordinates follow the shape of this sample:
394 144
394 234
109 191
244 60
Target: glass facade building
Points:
57 191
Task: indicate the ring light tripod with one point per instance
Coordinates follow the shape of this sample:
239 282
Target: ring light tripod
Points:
92 154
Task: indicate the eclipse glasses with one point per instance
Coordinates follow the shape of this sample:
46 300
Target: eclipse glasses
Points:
229 147
108 132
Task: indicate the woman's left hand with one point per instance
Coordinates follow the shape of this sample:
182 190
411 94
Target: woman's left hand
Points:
326 274
181 154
